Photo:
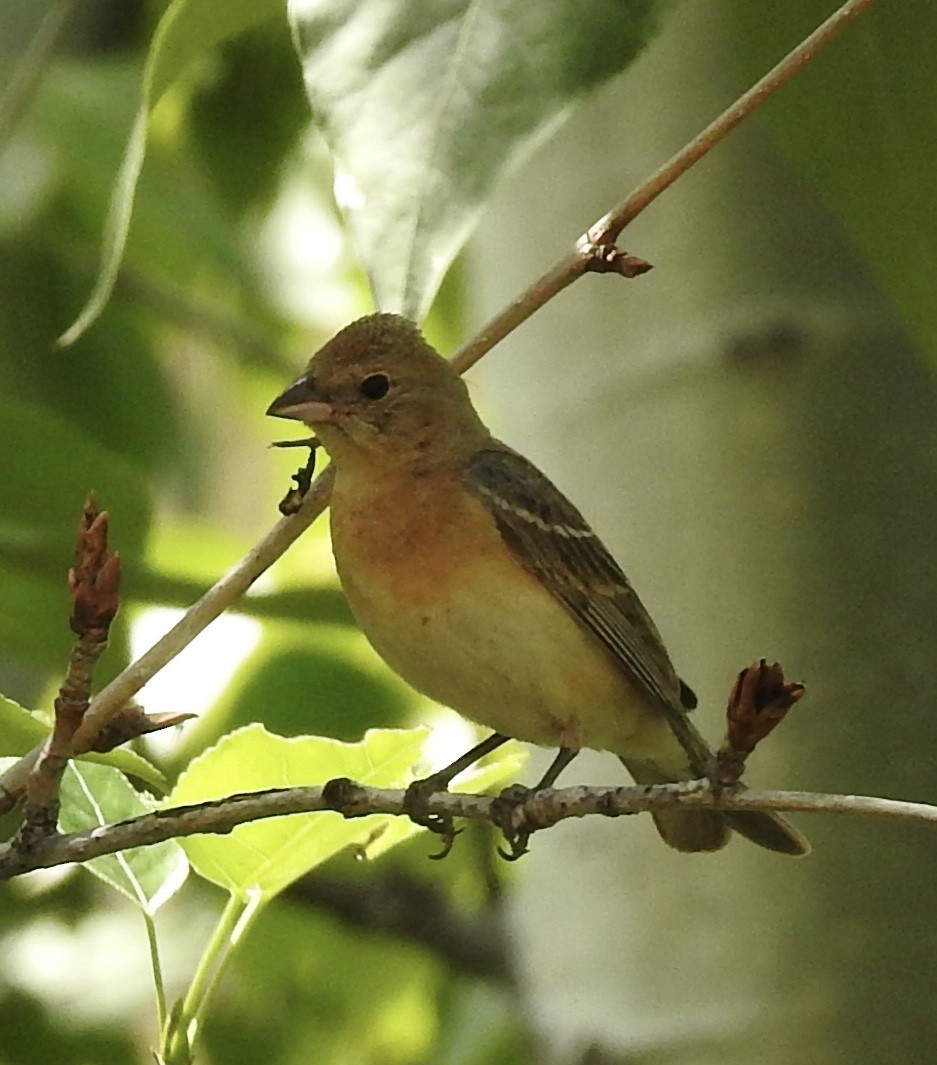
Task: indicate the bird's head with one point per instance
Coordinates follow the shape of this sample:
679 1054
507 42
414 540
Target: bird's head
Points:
378 392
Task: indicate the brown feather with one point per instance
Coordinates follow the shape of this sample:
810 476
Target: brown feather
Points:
554 542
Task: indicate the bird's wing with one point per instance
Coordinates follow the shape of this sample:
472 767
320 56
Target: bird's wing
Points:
553 541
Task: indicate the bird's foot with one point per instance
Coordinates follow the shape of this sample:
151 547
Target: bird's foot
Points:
508 814
415 804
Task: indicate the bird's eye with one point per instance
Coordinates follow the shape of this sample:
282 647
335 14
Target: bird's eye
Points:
374 386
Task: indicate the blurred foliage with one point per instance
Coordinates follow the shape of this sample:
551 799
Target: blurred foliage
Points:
159 410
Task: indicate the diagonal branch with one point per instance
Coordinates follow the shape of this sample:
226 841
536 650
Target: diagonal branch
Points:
599 239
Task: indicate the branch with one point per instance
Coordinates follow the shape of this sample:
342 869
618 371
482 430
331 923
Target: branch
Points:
212 604
112 698
596 243
94 582
543 809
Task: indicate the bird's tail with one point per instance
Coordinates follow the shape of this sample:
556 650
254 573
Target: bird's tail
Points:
684 830
709 830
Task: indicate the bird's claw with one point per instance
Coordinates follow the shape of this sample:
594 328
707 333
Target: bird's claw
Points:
518 845
516 828
415 802
447 833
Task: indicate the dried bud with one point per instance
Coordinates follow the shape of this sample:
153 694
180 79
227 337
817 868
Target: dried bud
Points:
94 580
610 259
758 703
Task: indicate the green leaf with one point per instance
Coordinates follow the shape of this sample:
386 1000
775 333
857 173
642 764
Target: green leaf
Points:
143 421
859 122
187 31
94 795
426 105
21 730
346 698
263 857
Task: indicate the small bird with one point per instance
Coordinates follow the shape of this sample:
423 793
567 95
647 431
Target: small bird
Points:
484 587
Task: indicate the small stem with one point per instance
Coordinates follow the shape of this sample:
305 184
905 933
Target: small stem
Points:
159 985
235 919
558 277
608 228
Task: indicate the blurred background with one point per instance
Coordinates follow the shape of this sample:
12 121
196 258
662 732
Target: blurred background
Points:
750 428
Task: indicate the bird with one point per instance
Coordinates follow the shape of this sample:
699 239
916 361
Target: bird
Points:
482 585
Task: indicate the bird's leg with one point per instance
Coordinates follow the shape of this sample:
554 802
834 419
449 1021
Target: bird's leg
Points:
420 792
563 757
502 810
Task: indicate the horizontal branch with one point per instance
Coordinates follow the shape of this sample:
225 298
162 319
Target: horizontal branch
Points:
543 809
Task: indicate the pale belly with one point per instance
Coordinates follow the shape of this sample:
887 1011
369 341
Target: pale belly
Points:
449 609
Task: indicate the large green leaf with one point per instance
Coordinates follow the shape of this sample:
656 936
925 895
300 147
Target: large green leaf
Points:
425 105
860 124
262 857
188 30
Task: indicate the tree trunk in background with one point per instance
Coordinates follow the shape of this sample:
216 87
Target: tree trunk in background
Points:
754 439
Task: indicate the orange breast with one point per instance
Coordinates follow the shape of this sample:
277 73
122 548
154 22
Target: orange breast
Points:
411 539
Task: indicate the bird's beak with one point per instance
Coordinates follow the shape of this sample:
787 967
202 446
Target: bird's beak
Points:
299 403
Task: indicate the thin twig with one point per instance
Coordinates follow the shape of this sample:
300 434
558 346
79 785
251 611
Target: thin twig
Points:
607 229
544 808
112 698
94 582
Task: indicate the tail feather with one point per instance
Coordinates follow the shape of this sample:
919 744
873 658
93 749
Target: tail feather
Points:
692 830
695 830
768 830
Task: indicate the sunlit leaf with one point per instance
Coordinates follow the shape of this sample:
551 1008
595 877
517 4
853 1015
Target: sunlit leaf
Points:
94 795
262 857
426 105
